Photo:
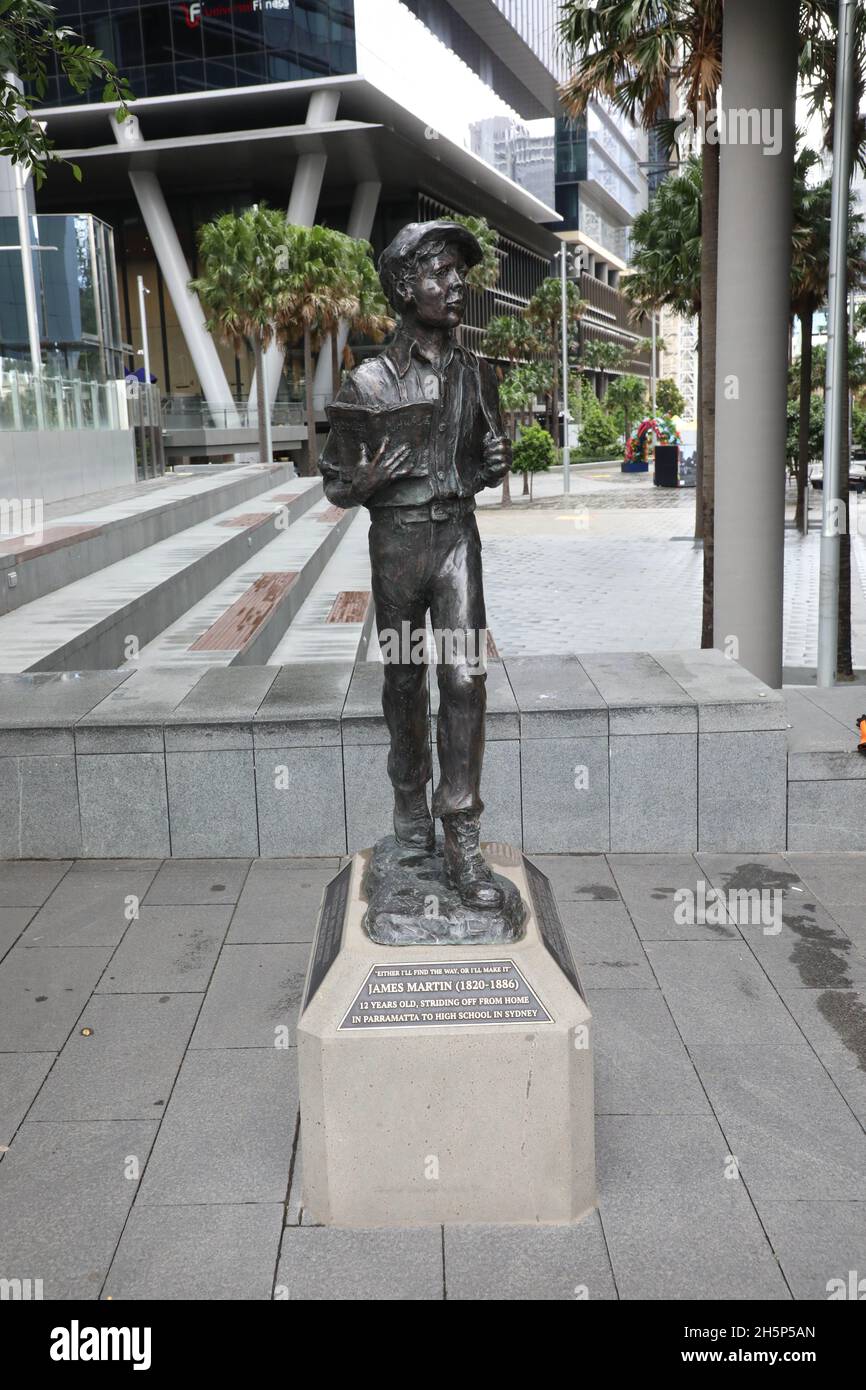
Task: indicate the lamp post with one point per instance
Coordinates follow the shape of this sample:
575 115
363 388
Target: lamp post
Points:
576 263
833 509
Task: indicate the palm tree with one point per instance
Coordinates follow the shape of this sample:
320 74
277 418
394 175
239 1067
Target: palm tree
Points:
316 295
240 287
601 355
544 313
666 268
485 274
508 337
632 53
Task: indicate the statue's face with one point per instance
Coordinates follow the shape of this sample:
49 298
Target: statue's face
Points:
438 288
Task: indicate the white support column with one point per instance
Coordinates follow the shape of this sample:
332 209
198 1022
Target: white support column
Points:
360 226
301 212
175 273
758 80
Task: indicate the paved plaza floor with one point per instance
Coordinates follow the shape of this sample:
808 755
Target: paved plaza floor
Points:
614 567
149 1111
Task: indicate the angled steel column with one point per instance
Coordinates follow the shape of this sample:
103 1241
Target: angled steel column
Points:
175 272
301 212
360 225
756 133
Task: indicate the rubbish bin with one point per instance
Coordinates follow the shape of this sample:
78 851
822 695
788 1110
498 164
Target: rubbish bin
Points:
667 465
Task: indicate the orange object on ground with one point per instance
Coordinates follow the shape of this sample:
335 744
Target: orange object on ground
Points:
861 725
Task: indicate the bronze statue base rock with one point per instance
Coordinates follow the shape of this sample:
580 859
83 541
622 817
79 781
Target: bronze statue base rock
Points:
410 902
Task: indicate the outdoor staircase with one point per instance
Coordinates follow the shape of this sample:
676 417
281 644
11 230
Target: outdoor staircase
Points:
209 570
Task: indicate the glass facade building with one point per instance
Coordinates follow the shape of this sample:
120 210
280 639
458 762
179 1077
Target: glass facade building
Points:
76 295
166 48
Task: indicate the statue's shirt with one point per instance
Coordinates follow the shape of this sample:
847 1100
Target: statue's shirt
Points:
465 397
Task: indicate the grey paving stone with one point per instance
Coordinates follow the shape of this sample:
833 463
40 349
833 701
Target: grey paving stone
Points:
43 992
641 697
653 887
369 798
729 697
124 804
607 950
27 883
834 1022
566 794
44 699
226 736
837 879
13 920
167 950
691 1245
88 909
641 1065
363 720
21 1075
303 705
38 808
280 900
579 877
642 1155
64 1196
125 1068
212 803
319 1263
230 693
791 1131
198 882
116 866
819 1246
201 1252
254 997
295 1203
147 698
821 814
299 792
742 790
718 993
228 1131
556 698
528 1263
653 792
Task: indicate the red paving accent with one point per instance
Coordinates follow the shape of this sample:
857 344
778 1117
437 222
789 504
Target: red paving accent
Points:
350 606
331 514
248 519
287 496
239 624
492 649
53 538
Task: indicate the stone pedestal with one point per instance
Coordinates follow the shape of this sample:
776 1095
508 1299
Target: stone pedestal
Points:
445 1084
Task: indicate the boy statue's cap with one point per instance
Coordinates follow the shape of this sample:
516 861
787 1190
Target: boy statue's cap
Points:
413 236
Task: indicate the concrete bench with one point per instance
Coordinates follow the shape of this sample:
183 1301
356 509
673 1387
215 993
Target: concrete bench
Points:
634 752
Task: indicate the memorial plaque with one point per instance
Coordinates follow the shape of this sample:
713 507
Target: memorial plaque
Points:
449 993
549 922
329 931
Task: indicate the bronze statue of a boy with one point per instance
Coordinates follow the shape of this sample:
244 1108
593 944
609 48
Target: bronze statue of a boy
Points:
425 434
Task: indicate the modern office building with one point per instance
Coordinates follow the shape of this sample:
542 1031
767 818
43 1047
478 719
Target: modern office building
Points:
310 106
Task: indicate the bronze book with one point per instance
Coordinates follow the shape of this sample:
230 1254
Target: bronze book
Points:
354 425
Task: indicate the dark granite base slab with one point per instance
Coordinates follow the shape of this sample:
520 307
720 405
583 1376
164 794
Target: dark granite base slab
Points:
404 888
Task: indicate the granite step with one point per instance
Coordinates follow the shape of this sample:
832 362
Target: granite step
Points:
104 619
242 620
77 539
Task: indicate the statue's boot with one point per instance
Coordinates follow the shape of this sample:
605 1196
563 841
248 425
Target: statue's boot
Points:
465 865
413 823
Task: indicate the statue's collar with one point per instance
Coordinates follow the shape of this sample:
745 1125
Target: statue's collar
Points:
404 345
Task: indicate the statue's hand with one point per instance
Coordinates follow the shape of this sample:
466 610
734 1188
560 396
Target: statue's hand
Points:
496 458
372 473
